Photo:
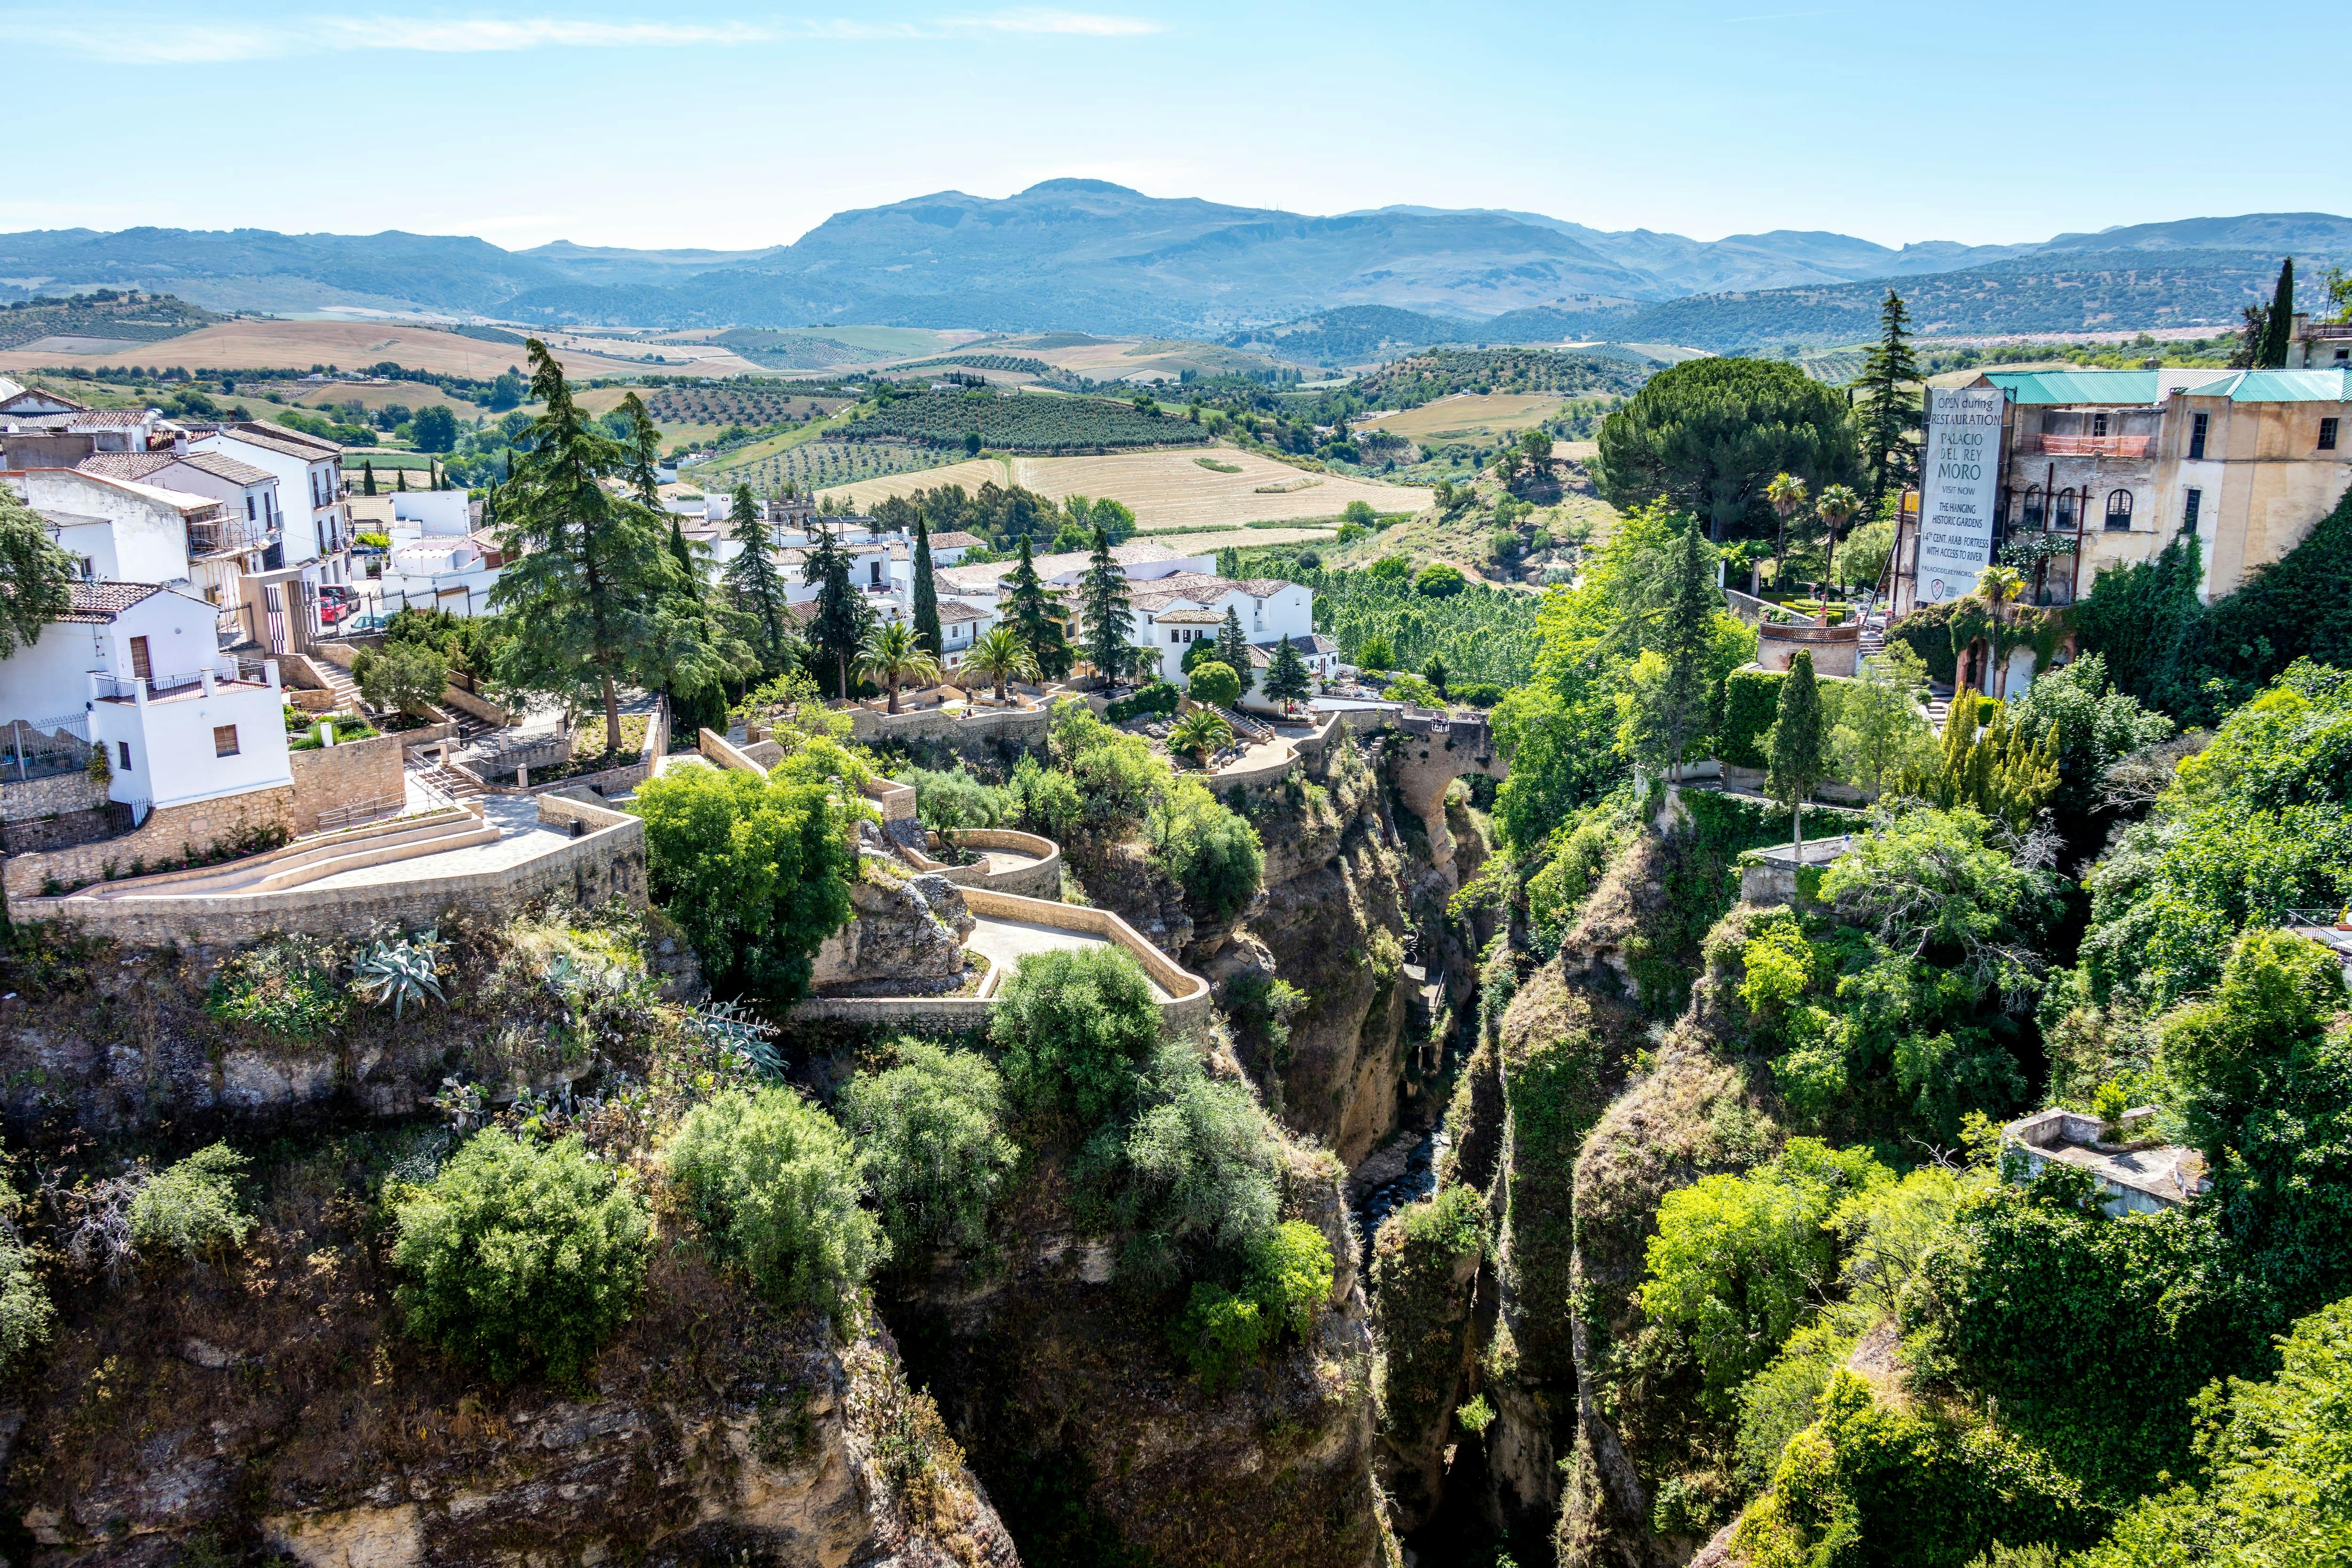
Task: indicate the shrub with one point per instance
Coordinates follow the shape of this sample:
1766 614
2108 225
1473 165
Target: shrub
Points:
1475 694
1191 1178
26 1314
756 870
1439 581
953 798
1212 853
1071 1028
401 677
521 1255
1160 696
1289 1280
1751 698
286 987
929 1130
1215 683
1048 799
773 1184
192 1209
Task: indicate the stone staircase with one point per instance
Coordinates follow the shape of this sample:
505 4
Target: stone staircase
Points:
444 781
1245 727
310 860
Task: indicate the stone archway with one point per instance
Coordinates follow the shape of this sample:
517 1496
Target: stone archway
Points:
1431 750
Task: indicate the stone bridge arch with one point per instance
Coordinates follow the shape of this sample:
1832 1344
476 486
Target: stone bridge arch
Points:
1431 751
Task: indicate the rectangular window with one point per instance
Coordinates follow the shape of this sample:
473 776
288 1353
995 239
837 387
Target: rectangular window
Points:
2197 427
224 740
2327 435
141 665
2099 424
125 746
248 509
2188 510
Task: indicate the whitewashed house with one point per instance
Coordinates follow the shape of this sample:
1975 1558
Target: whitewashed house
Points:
221 551
315 530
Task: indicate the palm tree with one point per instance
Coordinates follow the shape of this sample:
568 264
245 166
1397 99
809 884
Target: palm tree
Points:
891 655
2000 586
1000 655
1838 503
1788 496
1199 733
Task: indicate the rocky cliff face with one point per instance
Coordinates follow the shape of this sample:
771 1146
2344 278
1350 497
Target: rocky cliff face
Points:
1101 1448
269 1404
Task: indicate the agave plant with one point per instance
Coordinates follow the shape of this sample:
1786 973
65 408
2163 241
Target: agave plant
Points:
400 970
728 1027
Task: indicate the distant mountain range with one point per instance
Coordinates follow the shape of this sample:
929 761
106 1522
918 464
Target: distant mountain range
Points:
1086 255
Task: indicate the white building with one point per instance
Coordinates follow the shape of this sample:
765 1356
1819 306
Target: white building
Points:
219 552
35 411
142 664
316 526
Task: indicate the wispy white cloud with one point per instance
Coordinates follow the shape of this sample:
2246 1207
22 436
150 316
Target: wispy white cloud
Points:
127 40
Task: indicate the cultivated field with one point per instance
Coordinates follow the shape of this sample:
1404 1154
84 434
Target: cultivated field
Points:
1164 489
1241 538
352 345
1467 416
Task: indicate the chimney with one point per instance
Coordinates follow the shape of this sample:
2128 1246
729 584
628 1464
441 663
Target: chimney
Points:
179 443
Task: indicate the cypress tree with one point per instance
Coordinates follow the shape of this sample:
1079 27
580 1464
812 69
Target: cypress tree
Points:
367 478
644 452
2278 327
1795 746
401 474
1102 600
1032 605
757 587
1690 618
1232 648
839 629
1890 404
926 599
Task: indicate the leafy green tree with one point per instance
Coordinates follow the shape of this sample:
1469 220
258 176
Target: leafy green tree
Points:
523 1255
758 588
1988 761
434 429
1708 434
1439 580
1031 607
2275 1455
35 576
2096 729
1669 696
505 392
1103 608
926 591
843 619
1882 728
26 1316
1374 653
1889 407
756 869
1213 684
1796 751
1073 1028
1287 678
773 1184
587 571
1211 851
2236 1052
2278 326
929 1132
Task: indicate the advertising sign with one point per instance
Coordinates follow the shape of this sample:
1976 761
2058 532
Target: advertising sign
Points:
1959 483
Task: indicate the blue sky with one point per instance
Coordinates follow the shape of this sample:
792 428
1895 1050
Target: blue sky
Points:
700 122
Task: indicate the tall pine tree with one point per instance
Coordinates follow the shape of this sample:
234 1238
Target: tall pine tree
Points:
587 571
1889 407
758 588
1102 604
926 597
1031 606
1285 673
842 617
2278 326
1232 648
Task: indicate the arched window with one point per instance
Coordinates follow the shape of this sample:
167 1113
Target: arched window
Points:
2033 515
2065 509
2119 511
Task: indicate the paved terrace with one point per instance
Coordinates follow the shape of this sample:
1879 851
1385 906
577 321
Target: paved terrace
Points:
1005 942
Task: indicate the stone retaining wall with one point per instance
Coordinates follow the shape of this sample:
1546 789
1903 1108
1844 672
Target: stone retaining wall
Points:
1041 880
348 777
30 799
169 833
1027 726
607 860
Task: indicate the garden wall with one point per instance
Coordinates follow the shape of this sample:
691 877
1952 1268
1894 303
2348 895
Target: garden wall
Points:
30 799
170 833
607 860
350 781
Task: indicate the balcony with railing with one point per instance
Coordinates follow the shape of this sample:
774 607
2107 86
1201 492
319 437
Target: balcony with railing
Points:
2089 445
228 534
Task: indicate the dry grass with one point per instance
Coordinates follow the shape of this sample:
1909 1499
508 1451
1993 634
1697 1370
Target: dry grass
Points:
1466 416
1164 489
352 345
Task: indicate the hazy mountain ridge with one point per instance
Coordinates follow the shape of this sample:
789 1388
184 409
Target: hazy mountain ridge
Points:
1086 254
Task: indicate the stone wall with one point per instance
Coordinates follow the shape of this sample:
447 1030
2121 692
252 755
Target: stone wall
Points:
1042 880
170 833
347 782
466 701
1026 726
607 860
30 799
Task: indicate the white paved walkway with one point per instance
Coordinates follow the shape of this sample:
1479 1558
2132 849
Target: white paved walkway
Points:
521 837
1005 943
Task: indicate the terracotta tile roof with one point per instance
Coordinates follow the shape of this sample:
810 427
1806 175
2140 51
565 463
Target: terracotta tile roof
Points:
221 465
956 610
125 465
1190 618
97 603
39 395
103 419
276 438
955 538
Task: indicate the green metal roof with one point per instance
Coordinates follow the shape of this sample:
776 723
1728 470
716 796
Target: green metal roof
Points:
2148 387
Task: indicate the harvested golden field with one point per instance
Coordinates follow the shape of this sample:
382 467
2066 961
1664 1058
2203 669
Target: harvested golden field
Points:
1164 489
1241 538
1467 416
352 345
